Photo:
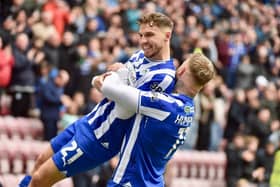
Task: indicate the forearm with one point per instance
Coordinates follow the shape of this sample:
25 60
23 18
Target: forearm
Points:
127 97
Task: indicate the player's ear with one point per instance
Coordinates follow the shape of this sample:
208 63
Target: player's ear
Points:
180 71
167 35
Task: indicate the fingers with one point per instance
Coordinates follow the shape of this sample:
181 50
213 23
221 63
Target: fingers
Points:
97 81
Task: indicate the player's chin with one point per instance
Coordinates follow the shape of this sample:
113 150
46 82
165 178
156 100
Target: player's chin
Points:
148 53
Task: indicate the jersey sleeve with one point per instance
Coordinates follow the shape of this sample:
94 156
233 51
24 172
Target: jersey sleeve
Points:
153 104
125 96
156 105
158 83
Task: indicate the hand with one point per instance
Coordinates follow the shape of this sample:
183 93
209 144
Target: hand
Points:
97 81
275 125
259 174
31 54
116 66
39 57
248 156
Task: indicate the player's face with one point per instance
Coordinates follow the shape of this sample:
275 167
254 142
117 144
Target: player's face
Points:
152 40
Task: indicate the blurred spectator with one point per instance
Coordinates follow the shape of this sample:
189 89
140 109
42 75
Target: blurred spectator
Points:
68 60
52 101
265 160
21 22
77 19
207 98
90 31
44 29
85 73
79 101
8 29
132 14
269 100
23 77
6 64
253 100
94 97
236 115
261 127
51 50
249 157
219 118
68 116
274 137
245 73
91 10
60 14
237 50
234 165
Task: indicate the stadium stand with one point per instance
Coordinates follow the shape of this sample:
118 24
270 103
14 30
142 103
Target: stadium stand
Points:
198 168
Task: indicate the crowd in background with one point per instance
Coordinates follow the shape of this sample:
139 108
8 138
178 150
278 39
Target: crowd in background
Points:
57 46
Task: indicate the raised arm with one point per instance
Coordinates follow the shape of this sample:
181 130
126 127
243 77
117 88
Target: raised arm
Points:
133 100
125 96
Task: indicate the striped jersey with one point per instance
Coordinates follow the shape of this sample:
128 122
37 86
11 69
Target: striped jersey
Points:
108 125
160 126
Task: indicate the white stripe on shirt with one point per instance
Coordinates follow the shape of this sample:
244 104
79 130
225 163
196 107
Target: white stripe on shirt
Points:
157 96
147 77
99 112
105 126
154 113
165 82
93 110
128 149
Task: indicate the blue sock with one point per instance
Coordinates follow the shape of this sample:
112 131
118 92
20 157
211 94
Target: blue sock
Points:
25 181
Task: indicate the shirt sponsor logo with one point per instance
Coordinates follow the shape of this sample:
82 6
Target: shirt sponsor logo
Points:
189 109
155 87
184 120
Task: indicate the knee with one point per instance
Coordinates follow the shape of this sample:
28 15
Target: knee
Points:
37 179
39 161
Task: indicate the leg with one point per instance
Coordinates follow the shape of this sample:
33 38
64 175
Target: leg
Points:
43 157
55 145
46 175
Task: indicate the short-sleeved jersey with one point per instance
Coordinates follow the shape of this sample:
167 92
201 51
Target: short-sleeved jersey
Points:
160 127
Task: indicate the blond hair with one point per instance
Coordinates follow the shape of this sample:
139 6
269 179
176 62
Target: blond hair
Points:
157 19
201 68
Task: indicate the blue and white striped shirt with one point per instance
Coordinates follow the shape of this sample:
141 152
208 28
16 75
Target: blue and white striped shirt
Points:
160 126
145 75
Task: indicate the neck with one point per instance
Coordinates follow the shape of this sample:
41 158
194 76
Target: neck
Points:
166 53
182 89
